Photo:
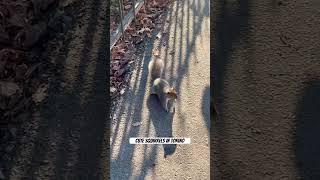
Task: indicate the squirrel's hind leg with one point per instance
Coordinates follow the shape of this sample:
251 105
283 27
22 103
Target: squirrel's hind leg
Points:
166 105
152 90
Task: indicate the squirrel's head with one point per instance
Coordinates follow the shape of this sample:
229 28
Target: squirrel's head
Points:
172 93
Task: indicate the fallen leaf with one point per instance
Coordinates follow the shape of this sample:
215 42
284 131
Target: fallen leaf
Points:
16 20
122 91
127 7
8 88
146 21
32 69
40 94
117 57
67 2
113 89
120 72
121 52
21 70
142 30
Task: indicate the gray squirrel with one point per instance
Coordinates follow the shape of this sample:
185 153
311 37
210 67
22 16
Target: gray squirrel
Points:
160 86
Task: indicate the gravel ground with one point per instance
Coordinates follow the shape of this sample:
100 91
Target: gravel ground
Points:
267 73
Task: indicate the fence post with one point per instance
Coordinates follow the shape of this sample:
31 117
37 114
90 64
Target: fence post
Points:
121 14
134 11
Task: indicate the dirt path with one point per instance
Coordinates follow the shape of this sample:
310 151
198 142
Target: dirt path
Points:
185 50
65 140
266 63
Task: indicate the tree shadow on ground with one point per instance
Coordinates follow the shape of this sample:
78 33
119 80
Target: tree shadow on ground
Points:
229 18
73 120
307 144
132 111
206 107
162 122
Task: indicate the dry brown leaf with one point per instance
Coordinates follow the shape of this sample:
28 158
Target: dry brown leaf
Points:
33 34
117 57
127 7
21 70
32 69
122 91
40 94
16 20
146 22
142 30
113 89
119 72
121 52
66 3
8 88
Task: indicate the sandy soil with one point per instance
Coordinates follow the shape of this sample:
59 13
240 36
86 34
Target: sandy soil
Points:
266 63
65 139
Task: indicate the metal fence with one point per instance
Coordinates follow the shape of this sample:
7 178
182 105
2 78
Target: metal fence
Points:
125 20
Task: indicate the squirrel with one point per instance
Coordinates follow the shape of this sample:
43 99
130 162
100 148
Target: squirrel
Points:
160 86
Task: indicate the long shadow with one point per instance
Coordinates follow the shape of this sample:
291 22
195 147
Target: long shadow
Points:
79 121
229 19
132 112
49 123
91 115
161 121
307 145
205 107
96 111
198 17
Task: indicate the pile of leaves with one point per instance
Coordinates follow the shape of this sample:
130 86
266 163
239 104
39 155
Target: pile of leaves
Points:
115 12
21 28
124 52
128 6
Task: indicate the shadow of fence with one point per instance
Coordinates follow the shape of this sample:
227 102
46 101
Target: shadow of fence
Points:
307 145
72 121
172 47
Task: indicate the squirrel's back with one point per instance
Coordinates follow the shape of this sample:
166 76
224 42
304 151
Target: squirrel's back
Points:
159 86
165 93
156 68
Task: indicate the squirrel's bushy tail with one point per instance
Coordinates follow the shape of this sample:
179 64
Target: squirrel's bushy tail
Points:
155 69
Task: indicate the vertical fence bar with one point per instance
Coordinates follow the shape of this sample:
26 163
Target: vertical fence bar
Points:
121 14
134 11
125 21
